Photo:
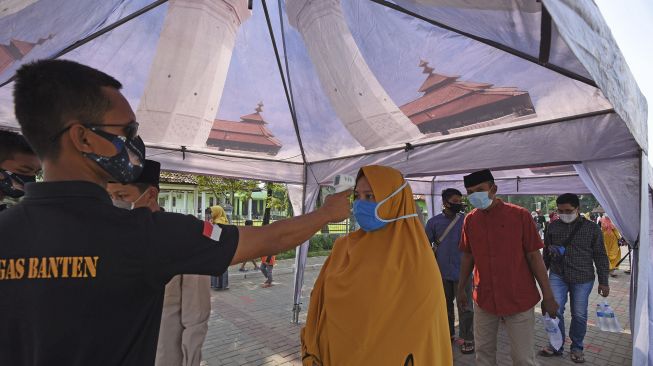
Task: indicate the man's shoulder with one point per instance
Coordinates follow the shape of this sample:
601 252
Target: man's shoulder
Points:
591 225
435 219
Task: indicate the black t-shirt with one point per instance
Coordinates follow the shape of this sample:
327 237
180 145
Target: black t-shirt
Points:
82 282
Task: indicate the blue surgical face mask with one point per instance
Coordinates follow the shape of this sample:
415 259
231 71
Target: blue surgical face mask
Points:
480 200
367 213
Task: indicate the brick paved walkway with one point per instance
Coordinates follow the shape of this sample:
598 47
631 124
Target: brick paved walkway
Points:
251 325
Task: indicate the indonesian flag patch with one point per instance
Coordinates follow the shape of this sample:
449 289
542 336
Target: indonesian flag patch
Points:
212 231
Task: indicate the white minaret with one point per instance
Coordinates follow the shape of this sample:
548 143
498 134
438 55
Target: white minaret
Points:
358 98
189 70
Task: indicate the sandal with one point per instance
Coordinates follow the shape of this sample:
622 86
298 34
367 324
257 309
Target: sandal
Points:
467 347
548 351
577 356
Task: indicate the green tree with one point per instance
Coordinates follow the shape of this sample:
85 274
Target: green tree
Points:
222 187
277 199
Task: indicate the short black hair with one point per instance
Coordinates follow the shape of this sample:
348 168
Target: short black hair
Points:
48 93
449 192
12 143
569 198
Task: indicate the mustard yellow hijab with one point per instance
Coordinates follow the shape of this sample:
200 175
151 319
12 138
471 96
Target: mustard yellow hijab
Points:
218 215
379 299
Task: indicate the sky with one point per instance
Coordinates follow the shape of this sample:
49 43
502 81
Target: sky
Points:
631 22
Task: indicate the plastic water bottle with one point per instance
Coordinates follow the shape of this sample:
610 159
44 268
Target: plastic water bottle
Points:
551 327
611 321
600 316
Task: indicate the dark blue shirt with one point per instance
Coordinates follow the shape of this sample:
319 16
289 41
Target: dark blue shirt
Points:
448 254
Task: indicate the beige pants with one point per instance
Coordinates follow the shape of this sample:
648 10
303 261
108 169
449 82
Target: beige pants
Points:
184 321
520 328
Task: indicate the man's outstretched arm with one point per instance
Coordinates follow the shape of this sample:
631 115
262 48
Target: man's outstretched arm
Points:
286 234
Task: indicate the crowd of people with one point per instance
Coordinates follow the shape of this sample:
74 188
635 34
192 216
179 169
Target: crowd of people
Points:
93 271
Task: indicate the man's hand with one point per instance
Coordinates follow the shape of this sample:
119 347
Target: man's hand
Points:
550 306
337 206
604 290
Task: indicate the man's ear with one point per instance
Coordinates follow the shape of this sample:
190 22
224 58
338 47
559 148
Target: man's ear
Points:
492 193
78 137
153 194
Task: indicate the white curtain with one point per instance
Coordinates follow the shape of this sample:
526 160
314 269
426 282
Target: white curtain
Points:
616 185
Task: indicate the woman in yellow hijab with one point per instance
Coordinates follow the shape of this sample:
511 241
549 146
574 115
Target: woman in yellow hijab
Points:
379 299
219 216
611 237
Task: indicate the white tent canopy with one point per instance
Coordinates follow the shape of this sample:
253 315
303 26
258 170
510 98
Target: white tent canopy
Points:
298 91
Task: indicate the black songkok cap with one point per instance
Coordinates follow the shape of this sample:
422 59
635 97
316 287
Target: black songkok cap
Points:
150 174
478 177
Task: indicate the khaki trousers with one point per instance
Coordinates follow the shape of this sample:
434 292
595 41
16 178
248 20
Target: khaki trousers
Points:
520 328
184 322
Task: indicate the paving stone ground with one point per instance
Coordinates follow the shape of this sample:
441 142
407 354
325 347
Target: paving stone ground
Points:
250 325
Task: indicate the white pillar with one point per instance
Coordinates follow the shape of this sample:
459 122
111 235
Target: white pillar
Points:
249 209
185 203
169 205
203 205
358 98
189 70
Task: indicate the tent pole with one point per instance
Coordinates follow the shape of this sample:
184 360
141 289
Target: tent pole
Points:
639 304
545 36
299 272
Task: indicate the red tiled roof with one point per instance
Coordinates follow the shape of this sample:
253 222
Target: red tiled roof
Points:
460 105
251 130
22 46
472 85
254 117
6 59
240 127
435 98
243 137
434 80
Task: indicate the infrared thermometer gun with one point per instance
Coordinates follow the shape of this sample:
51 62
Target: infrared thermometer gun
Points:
341 183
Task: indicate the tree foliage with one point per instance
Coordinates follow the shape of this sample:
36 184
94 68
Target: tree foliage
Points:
222 187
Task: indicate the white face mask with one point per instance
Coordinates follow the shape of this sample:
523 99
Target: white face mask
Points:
127 205
568 218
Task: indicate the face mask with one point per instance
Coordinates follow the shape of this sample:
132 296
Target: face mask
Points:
455 207
127 205
568 218
480 200
7 184
127 164
367 213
